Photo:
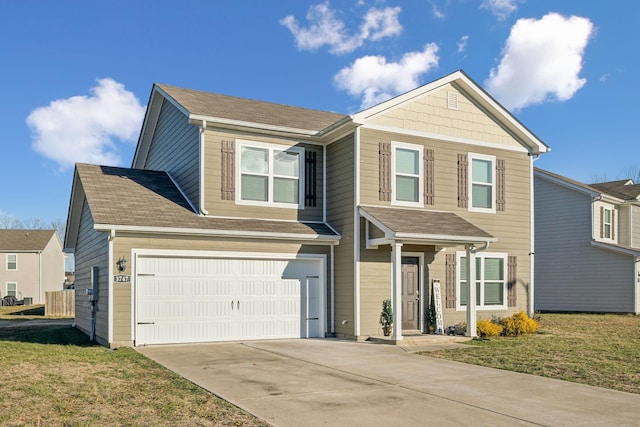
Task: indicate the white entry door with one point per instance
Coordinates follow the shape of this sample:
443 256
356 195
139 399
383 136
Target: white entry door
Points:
191 299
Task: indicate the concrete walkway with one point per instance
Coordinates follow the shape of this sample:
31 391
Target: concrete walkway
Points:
343 383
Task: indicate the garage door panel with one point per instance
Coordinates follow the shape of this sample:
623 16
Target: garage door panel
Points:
207 299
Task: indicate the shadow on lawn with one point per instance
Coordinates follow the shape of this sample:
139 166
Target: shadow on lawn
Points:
46 334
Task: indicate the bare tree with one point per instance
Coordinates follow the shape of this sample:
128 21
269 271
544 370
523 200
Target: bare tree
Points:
12 223
599 177
630 172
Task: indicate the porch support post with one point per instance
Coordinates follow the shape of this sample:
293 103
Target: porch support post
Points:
396 262
471 291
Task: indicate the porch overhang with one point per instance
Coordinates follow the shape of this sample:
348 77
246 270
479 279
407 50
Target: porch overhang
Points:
420 227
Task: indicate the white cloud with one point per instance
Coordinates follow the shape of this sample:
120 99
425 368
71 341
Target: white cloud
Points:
327 29
437 13
501 8
541 61
376 80
83 128
462 43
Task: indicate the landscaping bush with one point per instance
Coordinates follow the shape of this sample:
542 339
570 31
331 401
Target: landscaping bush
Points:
518 324
487 328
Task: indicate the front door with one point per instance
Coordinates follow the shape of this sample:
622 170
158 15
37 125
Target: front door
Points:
410 293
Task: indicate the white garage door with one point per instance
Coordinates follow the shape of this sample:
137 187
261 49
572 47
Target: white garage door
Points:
182 300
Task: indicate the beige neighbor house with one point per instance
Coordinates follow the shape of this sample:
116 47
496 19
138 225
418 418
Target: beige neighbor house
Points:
243 219
33 263
587 243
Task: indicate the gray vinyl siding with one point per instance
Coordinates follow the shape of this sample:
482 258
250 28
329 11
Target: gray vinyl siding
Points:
570 274
175 148
92 250
340 212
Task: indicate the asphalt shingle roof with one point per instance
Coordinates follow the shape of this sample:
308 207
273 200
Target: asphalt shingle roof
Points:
24 240
145 198
240 109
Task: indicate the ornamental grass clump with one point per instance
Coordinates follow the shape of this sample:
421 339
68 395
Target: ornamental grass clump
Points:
518 324
487 328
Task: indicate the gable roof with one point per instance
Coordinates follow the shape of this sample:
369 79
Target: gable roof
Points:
617 191
149 201
25 240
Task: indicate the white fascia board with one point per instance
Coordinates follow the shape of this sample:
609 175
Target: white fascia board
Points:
563 183
218 233
440 238
614 248
388 233
75 213
252 125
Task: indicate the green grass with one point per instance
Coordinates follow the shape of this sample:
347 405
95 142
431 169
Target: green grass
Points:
53 376
602 350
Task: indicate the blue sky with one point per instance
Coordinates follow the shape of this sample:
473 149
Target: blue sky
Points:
77 74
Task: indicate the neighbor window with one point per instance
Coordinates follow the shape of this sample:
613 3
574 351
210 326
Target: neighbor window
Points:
407 174
12 289
606 223
12 262
270 175
490 280
482 183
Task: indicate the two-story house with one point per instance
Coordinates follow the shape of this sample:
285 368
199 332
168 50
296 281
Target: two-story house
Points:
587 244
243 219
33 263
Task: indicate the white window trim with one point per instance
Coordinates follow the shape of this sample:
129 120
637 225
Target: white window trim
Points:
6 288
504 305
604 224
271 147
414 147
7 263
492 159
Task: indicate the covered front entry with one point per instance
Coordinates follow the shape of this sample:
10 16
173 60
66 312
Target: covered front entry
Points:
410 294
198 299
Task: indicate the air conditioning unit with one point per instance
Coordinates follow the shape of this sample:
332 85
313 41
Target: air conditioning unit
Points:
28 300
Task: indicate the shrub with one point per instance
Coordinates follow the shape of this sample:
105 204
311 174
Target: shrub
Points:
487 328
461 328
518 324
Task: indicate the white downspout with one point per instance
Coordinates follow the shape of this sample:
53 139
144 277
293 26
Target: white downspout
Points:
532 231
356 234
40 296
203 129
333 290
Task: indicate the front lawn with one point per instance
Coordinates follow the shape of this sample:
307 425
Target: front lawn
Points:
602 350
53 376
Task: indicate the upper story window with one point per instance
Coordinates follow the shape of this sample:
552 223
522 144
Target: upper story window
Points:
407 174
270 175
491 283
607 224
12 262
482 183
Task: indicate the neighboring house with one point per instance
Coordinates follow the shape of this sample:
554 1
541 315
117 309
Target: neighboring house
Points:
33 263
587 245
243 219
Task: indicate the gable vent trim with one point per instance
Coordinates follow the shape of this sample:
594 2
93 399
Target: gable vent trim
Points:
452 100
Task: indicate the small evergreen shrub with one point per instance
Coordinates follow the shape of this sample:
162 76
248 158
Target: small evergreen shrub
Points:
487 328
461 328
518 324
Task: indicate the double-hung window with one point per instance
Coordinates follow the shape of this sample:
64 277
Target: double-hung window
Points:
491 284
407 174
607 223
12 289
12 262
482 183
270 175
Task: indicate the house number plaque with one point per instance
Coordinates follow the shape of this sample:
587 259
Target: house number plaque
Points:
121 278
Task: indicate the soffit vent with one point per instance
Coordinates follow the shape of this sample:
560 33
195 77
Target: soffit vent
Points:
452 100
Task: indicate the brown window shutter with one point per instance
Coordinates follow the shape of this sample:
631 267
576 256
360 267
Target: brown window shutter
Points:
310 179
613 222
450 263
385 171
601 222
463 183
228 170
500 185
512 275
429 193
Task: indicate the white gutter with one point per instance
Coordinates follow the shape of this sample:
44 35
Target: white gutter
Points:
203 129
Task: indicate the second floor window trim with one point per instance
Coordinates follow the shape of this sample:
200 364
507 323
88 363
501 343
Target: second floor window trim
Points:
607 223
407 174
12 262
482 183
270 175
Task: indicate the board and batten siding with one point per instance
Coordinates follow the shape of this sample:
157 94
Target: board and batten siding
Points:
623 219
214 202
125 244
635 227
572 275
175 148
340 215
92 250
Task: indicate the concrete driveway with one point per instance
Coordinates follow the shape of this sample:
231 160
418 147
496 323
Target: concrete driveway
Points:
343 383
